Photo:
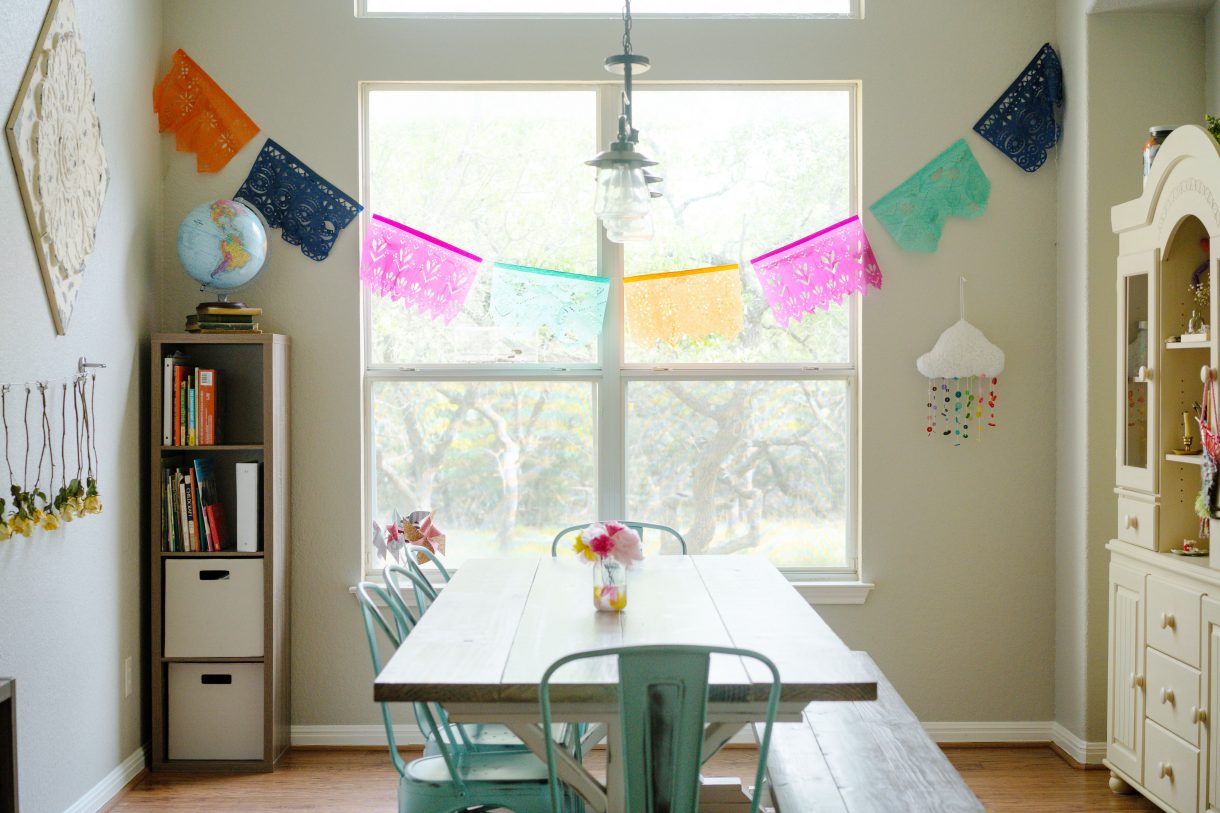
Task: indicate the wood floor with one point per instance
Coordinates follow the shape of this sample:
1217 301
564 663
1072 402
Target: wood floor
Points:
1006 780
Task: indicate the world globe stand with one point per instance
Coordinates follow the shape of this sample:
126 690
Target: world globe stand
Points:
221 301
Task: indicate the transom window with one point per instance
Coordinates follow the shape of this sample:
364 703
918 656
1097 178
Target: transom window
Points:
744 443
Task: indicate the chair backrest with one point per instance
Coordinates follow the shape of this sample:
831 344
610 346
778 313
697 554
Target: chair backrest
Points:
396 631
638 527
430 556
422 589
662 698
375 619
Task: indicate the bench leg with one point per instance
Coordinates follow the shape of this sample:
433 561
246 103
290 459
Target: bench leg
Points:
1119 785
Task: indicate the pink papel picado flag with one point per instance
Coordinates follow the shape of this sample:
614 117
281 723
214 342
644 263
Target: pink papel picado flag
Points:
817 270
405 264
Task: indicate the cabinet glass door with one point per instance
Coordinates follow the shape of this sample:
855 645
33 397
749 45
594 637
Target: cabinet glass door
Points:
1135 444
1137 355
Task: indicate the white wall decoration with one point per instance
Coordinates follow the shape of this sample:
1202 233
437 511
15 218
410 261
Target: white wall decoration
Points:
963 368
56 142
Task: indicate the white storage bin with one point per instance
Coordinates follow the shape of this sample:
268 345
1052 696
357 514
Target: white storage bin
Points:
215 711
213 608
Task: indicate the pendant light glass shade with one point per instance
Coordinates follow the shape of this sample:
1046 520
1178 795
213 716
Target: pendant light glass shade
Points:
623 198
622 192
624 230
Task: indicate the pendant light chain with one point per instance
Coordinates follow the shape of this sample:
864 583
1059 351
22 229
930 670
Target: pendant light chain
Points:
626 26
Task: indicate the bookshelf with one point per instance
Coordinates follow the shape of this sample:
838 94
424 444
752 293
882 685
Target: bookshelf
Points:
219 618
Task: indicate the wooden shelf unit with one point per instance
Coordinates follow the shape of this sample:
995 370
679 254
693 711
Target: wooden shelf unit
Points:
252 424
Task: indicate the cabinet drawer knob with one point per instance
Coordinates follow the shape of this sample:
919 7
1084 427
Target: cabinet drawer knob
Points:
1165 770
1137 681
1168 621
1167 696
1198 715
1142 374
1130 522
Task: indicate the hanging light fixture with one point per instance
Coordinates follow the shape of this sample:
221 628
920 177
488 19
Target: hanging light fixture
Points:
623 196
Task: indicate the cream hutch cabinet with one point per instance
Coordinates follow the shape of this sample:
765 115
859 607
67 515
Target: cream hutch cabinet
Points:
1164 609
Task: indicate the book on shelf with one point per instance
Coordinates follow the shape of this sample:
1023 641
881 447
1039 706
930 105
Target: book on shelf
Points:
219 310
249 505
193 517
215 319
189 401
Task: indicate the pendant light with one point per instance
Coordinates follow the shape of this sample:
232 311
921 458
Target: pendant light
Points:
624 200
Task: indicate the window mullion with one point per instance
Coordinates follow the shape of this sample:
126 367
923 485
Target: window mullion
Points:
611 401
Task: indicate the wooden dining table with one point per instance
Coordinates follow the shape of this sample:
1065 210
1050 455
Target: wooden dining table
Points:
481 649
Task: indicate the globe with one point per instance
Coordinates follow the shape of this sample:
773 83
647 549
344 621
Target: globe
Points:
222 245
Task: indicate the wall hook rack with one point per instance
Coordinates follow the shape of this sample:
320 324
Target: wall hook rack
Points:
83 364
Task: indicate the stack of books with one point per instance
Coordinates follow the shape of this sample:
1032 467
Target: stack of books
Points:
188 403
216 319
192 517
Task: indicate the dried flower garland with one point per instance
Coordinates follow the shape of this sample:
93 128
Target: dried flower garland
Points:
31 504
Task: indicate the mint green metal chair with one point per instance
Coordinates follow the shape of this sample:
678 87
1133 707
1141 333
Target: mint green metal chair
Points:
453 778
421 588
638 527
469 736
425 593
662 701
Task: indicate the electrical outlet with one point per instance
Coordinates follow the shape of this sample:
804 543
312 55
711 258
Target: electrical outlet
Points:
127 676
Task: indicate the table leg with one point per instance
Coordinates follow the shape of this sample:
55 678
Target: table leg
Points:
716 736
569 770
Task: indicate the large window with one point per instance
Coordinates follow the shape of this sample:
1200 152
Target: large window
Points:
744 444
586 8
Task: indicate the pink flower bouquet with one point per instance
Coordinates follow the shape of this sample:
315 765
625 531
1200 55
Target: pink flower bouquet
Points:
611 547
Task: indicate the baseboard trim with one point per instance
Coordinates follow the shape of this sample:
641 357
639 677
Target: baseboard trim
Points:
989 732
1083 753
114 785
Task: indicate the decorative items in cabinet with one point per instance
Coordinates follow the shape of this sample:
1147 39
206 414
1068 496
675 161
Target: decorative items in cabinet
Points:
1164 622
219 586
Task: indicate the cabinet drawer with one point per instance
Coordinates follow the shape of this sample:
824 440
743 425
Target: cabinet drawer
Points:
1171 769
215 711
1173 695
213 608
1137 522
1173 620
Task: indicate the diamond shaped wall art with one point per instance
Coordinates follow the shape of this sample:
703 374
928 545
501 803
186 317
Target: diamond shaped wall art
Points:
55 139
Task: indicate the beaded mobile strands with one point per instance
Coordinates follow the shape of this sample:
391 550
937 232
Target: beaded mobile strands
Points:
963 368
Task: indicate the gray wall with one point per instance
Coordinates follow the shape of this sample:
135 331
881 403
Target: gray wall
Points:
1125 72
958 540
70 600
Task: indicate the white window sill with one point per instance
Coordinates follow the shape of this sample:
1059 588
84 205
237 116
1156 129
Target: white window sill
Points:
816 593
819 593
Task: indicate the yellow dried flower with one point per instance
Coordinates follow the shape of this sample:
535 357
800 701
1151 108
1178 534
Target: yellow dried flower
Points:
93 504
50 521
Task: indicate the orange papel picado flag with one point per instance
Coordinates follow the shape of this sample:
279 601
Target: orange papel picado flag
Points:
202 117
686 305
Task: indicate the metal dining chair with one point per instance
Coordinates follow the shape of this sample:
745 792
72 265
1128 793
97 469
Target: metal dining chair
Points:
470 736
662 702
638 527
451 776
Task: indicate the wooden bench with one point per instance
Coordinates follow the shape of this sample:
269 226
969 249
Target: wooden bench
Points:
863 757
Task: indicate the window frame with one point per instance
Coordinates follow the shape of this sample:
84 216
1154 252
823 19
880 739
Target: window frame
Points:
611 374
855 12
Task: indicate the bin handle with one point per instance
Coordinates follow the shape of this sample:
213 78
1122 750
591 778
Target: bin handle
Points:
216 680
213 575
